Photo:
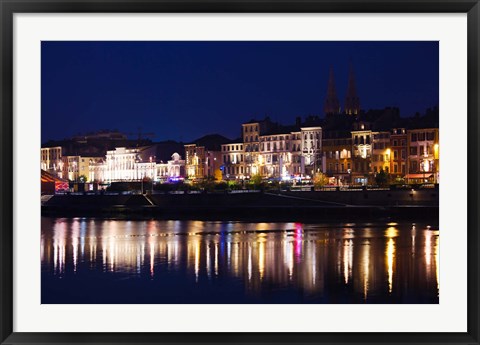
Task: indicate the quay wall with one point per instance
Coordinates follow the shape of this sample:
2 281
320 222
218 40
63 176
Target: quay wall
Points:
337 205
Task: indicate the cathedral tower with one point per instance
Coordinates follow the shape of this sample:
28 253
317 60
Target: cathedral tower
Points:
352 102
332 105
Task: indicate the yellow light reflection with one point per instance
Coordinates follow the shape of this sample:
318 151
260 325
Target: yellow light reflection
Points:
197 259
437 264
390 256
428 250
366 267
261 259
249 263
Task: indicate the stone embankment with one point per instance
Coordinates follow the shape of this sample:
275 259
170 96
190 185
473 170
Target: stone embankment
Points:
341 205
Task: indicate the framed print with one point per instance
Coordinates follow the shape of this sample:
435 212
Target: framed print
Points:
244 172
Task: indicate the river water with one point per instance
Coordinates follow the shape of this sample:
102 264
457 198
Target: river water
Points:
89 260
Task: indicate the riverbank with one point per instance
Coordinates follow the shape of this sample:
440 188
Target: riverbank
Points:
347 206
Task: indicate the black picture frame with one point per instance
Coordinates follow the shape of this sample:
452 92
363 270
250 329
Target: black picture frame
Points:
8 8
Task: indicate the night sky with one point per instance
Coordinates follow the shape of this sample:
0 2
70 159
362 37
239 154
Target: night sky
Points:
184 90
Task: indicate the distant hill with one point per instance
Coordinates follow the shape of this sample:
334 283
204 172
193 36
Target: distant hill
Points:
212 142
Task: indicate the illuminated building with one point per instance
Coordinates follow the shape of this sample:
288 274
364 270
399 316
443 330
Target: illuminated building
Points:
337 157
201 162
51 159
278 151
275 157
120 164
423 155
381 152
77 168
174 168
398 160
311 149
362 152
133 164
251 144
233 161
203 157
195 159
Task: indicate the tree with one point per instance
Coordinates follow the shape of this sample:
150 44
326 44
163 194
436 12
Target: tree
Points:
382 178
320 180
82 178
256 181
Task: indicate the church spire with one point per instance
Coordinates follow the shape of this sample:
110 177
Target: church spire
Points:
352 102
332 105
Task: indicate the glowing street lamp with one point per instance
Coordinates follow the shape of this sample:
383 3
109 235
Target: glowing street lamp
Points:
388 151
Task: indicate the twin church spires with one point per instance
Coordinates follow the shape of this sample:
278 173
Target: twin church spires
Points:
352 101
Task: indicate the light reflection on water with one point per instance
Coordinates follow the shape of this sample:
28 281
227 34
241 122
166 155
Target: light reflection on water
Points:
255 262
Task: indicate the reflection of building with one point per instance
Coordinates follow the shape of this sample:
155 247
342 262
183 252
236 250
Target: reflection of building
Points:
270 256
423 155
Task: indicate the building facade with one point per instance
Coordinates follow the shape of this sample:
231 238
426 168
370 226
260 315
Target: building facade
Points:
337 159
423 155
381 152
233 166
398 144
361 153
51 160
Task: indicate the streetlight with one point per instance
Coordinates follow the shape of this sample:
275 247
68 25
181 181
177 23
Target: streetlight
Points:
389 160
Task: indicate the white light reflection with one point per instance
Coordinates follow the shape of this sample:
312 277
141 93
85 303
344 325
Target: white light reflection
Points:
207 257
347 260
151 242
249 264
59 242
75 243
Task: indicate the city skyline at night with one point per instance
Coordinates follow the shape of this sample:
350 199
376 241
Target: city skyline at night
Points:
184 90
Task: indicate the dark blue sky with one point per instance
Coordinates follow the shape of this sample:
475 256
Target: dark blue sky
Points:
184 90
